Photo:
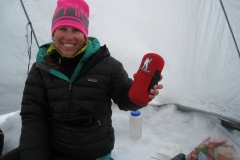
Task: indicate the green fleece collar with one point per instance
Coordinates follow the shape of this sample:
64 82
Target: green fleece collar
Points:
92 46
53 47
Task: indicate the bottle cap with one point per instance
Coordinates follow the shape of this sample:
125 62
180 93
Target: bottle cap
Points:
135 113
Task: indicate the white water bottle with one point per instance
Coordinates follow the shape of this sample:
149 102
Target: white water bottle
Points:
135 125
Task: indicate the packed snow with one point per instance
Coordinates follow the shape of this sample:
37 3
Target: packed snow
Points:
160 126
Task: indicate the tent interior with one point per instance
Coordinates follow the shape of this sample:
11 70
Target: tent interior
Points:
199 41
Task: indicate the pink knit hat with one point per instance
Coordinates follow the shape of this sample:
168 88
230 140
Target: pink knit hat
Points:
74 13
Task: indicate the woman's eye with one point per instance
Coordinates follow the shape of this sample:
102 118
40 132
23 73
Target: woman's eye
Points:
75 30
62 29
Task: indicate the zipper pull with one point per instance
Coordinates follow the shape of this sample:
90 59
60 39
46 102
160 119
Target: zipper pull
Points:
70 87
59 61
99 123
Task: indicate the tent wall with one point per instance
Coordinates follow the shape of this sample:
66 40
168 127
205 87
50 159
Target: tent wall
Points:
202 67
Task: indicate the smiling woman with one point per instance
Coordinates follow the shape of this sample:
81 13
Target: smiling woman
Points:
66 106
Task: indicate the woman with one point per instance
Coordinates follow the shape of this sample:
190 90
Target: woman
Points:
66 106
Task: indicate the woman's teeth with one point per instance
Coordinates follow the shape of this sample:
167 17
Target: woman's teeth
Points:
67 45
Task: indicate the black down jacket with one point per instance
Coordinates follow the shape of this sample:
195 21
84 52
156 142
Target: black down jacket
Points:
73 119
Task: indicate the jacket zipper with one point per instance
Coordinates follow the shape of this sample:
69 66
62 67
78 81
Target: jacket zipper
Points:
71 109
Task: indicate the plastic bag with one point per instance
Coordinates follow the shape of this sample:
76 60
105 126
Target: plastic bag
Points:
220 145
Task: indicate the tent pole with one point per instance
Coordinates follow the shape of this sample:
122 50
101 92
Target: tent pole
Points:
230 27
29 22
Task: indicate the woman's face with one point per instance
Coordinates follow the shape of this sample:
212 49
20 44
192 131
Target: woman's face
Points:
68 40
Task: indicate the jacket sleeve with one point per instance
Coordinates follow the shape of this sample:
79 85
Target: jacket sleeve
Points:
35 118
120 87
